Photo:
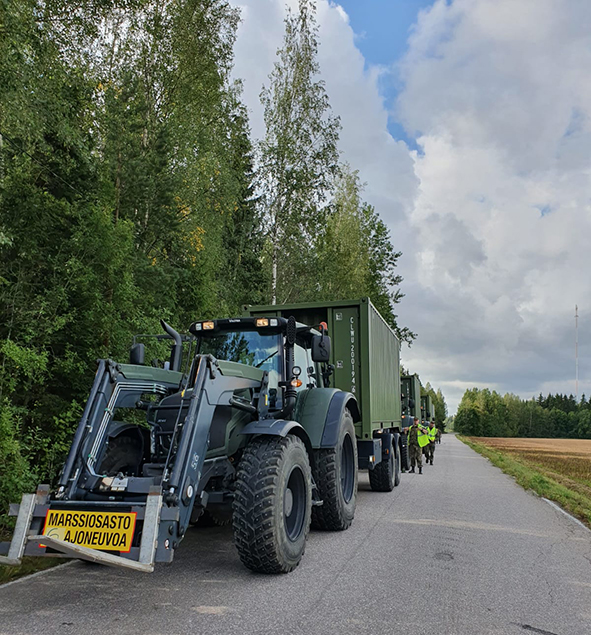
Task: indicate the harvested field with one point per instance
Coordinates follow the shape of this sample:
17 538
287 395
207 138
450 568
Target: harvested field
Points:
573 447
564 458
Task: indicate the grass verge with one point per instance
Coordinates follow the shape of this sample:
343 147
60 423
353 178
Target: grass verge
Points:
551 485
29 565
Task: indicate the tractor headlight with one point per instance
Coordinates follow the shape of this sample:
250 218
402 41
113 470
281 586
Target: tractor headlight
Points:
261 322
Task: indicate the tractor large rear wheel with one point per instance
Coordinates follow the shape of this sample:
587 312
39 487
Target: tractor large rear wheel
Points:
122 455
336 480
272 504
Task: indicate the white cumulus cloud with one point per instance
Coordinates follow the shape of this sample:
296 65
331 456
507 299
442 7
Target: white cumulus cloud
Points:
493 213
499 95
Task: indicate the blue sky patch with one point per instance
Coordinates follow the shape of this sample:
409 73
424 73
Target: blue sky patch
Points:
382 28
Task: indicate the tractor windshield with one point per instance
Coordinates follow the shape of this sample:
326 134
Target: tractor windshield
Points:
246 347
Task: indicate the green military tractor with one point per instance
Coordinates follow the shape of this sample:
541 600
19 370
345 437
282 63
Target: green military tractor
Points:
252 432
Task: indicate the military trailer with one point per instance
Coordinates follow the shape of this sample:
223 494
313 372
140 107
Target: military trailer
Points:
411 408
364 362
253 431
427 409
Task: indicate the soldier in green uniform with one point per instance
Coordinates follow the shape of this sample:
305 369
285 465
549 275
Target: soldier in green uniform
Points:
432 432
418 438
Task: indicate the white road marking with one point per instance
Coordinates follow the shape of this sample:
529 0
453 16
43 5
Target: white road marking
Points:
36 575
576 520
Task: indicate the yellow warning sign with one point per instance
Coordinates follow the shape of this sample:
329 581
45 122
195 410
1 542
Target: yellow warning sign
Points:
110 531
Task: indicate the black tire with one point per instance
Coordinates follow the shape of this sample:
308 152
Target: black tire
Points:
382 477
336 480
123 454
396 447
213 518
405 457
272 504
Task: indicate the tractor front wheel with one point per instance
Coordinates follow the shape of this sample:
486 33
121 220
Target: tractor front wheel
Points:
272 504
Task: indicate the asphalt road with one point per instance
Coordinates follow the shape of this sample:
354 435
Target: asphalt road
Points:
460 549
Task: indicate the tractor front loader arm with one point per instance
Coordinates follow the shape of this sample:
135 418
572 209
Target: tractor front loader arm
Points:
165 511
210 389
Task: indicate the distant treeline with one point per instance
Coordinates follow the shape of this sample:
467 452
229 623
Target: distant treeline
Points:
485 413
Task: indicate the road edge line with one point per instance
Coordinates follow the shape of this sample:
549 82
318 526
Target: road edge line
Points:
37 574
559 508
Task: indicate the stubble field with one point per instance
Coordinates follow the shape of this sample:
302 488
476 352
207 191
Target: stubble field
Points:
570 458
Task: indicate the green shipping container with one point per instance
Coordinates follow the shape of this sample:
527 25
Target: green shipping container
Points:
411 396
365 353
427 408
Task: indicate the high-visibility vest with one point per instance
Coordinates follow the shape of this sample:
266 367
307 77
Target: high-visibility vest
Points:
423 438
432 434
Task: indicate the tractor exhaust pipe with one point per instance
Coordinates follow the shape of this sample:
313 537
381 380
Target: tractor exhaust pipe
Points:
176 355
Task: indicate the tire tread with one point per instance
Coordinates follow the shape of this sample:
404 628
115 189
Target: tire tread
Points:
257 483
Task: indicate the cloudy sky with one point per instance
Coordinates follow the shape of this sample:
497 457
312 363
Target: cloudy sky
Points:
470 122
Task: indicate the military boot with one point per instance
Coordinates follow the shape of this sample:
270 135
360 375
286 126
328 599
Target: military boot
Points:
412 470
431 461
420 470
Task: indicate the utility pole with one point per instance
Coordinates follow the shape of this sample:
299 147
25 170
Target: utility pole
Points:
577 352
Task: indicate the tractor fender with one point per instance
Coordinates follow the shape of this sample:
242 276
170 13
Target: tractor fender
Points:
278 428
320 410
119 427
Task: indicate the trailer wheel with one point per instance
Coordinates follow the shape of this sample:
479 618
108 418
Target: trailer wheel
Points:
404 457
272 504
336 480
123 454
383 475
396 446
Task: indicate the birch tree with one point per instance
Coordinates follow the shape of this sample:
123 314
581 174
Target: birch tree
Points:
298 156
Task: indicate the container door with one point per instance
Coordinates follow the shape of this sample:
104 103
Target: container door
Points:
346 350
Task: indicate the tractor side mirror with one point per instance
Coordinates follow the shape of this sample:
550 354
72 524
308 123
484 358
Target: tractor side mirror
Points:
137 354
321 348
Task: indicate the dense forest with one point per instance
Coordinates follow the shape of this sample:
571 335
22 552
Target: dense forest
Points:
131 190
486 414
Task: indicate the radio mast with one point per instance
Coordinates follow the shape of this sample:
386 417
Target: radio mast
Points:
577 352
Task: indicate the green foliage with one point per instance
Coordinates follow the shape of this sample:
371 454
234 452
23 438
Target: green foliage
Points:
125 196
486 414
15 473
130 192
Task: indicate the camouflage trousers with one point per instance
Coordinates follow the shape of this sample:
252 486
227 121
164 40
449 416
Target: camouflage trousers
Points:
430 451
416 457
